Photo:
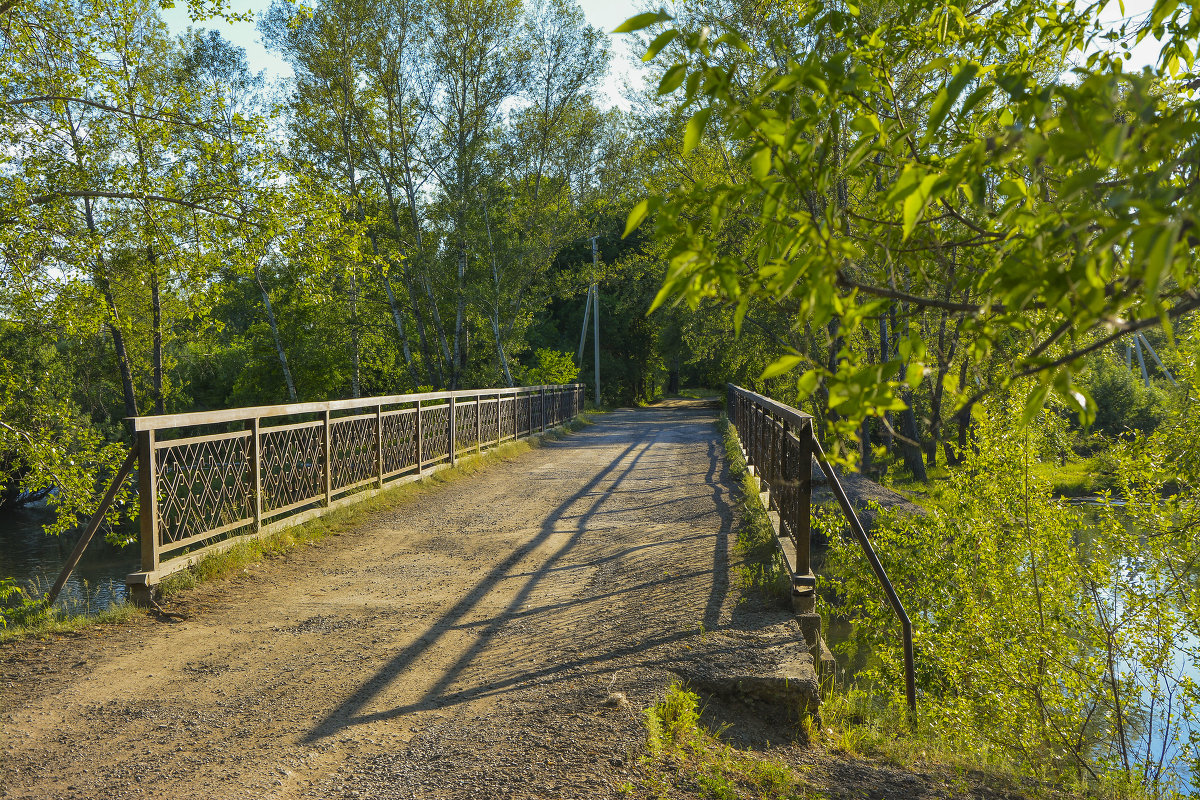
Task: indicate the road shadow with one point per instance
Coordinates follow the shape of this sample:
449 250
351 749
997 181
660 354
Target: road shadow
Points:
636 434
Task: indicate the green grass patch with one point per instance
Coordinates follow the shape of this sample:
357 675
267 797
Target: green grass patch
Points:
761 568
686 757
1079 478
30 618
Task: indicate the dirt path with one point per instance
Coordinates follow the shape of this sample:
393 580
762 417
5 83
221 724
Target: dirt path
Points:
460 646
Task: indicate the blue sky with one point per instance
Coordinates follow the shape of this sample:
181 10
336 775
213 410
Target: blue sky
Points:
605 14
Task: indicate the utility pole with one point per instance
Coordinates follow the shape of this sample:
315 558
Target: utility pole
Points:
587 310
596 318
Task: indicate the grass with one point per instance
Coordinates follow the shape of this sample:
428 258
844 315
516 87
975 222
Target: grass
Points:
32 619
29 618
687 757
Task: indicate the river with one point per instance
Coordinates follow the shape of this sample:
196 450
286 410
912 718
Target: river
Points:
35 559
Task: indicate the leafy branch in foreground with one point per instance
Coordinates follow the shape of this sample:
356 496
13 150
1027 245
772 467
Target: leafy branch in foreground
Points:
994 162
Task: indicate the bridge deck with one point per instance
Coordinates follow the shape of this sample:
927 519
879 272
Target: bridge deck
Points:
462 644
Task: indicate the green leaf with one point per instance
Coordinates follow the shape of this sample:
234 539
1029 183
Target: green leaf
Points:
806 384
760 163
779 366
914 374
640 21
672 79
948 96
695 129
660 41
914 204
636 216
1034 403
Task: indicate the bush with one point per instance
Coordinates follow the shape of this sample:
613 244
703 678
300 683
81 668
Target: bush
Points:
1122 403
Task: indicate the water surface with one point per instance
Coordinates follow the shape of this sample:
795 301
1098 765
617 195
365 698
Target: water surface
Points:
35 559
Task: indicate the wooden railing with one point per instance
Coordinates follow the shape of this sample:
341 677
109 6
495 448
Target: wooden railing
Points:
211 479
780 445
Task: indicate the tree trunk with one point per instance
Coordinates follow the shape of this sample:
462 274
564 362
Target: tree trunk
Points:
910 448
355 339
156 317
885 355
114 324
864 447
495 316
460 305
287 373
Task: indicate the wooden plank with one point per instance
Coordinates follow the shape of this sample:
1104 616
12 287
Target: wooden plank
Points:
171 547
148 500
131 460
163 444
295 426
161 421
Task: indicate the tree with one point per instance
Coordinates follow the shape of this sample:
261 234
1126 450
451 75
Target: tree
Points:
943 158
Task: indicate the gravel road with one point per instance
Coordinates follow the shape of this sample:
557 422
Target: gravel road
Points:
461 645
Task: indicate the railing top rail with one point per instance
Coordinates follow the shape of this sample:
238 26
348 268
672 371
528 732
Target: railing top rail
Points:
163 421
793 415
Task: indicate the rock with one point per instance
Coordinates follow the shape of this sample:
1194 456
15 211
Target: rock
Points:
616 700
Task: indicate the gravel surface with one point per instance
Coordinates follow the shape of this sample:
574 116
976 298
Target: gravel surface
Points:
499 635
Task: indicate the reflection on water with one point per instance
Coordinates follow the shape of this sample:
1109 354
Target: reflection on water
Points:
35 560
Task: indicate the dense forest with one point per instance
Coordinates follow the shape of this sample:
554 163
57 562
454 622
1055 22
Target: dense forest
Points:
962 235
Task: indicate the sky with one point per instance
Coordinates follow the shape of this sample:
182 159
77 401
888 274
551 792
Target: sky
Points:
604 14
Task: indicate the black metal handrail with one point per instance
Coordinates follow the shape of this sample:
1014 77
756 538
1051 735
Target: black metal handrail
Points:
860 533
776 439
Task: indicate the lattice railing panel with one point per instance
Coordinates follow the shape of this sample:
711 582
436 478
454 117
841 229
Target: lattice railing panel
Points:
507 417
465 431
354 458
535 412
203 486
197 491
293 466
488 412
435 432
523 405
399 441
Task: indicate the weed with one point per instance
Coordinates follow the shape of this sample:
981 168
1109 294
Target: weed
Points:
687 757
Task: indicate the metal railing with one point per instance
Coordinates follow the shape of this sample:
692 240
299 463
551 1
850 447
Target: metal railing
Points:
209 480
269 467
780 445
776 440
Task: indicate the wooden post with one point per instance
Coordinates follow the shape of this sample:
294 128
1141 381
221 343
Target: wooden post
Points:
420 438
499 417
451 439
256 465
478 423
148 500
327 448
543 393
379 443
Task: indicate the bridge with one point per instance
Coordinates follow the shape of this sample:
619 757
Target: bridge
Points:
496 635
